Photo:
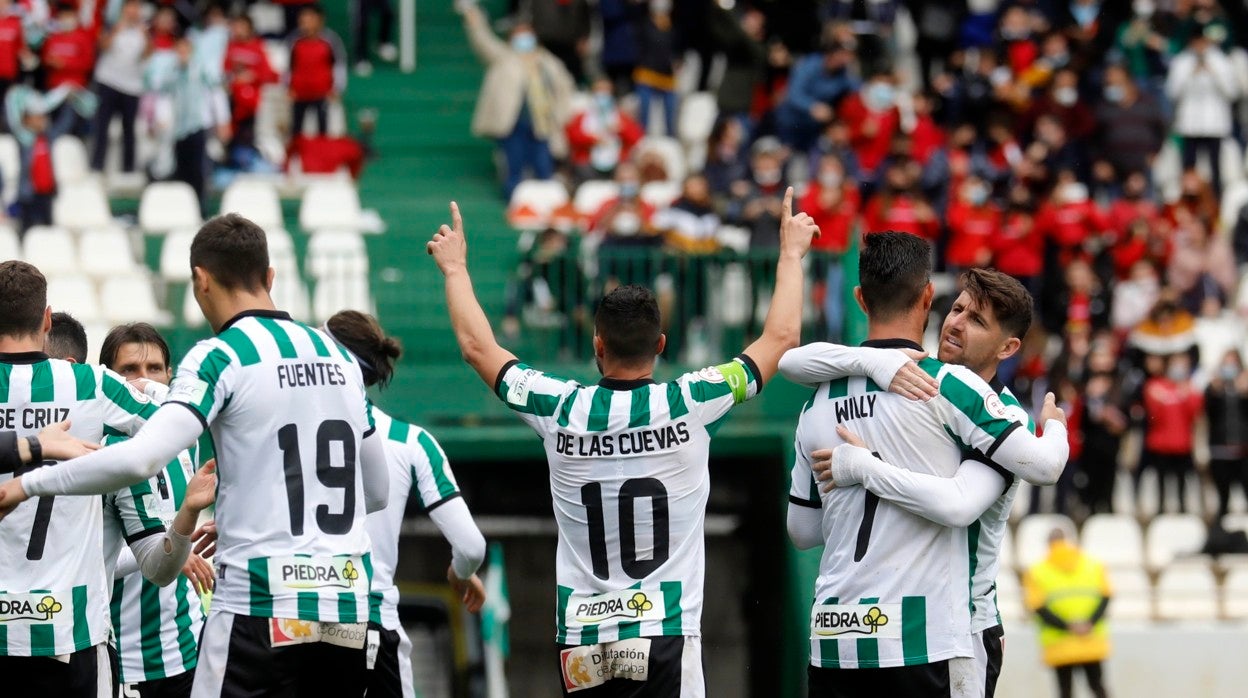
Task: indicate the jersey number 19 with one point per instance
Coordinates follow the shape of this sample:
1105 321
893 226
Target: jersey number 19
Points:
331 476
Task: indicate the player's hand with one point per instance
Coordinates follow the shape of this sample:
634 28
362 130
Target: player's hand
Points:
11 494
448 246
796 232
201 491
58 444
471 591
199 571
912 382
205 538
1051 410
821 465
850 437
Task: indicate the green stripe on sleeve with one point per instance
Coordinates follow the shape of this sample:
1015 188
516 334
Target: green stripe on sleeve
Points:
399 430
42 386
676 401
285 347
5 370
599 410
84 381
260 600
970 403
242 345
149 624
187 645
119 394
914 629
318 344
565 410
210 370
639 410
561 614
672 614
437 463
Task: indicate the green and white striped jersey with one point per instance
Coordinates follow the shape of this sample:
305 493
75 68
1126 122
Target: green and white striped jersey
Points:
418 468
53 592
287 411
894 589
155 629
984 536
628 473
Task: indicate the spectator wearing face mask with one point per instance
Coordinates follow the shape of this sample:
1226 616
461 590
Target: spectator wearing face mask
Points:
628 237
247 71
872 116
973 220
1062 102
1171 408
757 204
524 97
832 199
1203 87
600 136
1131 127
1134 296
1071 220
1226 406
898 205
1144 45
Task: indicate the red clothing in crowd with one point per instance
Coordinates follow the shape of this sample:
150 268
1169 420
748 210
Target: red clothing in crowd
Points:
1172 410
870 132
68 57
1019 248
835 219
42 177
927 137
162 41
312 62
1020 54
971 230
248 70
581 141
12 43
1068 225
325 154
901 213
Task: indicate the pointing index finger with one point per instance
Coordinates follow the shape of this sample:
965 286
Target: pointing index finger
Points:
788 205
457 221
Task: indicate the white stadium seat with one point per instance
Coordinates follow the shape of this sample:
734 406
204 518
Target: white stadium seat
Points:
698 112
1235 522
534 200
336 293
330 204
167 206
1114 539
10 167
51 249
1132 594
256 200
1031 541
1235 594
80 205
660 194
1187 592
592 195
69 160
106 252
130 298
10 245
74 295
192 316
290 294
1172 536
96 332
336 253
175 255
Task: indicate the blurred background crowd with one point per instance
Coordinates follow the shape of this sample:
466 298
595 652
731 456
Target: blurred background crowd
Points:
1095 150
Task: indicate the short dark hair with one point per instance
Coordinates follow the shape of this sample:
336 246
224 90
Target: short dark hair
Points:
893 271
362 335
234 250
67 339
628 323
132 333
23 298
1010 301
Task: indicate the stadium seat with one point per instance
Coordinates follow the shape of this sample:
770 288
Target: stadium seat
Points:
96 332
1173 536
670 149
290 294
69 160
130 298
1010 596
81 205
257 200
1235 522
1114 539
336 293
330 204
1031 540
698 112
10 166
592 195
76 296
1187 592
267 18
175 255
167 206
660 194
1132 594
105 252
336 253
533 202
10 245
1235 594
1231 160
192 316
51 249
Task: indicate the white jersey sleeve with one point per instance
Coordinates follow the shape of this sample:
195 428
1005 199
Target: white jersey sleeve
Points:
817 362
533 395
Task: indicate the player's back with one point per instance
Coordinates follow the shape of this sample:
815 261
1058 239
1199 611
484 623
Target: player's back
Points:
51 561
286 408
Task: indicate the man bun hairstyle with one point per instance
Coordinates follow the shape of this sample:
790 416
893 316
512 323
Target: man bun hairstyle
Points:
1010 302
628 323
362 335
234 251
894 270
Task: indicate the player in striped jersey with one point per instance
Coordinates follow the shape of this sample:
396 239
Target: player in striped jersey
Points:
54 443
418 468
913 627
984 327
288 416
54 605
629 473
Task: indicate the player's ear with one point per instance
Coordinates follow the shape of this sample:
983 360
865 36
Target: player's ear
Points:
268 280
858 297
1009 348
47 319
600 347
929 294
199 279
658 350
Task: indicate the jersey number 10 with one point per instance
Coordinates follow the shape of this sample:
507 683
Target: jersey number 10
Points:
630 492
331 476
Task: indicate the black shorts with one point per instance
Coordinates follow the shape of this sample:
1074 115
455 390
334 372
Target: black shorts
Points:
390 675
989 653
169 687
671 667
920 681
87 674
237 656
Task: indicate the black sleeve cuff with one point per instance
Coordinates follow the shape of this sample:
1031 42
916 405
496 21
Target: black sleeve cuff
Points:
130 539
808 503
442 501
1001 439
996 468
753 367
498 380
194 411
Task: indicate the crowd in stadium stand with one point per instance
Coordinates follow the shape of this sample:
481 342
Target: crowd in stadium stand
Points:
184 74
1094 150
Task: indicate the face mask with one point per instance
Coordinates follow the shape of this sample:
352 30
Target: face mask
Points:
626 223
1115 93
1178 374
830 180
768 178
628 190
605 102
1143 8
1058 60
1229 372
881 96
1066 96
1075 192
977 195
524 42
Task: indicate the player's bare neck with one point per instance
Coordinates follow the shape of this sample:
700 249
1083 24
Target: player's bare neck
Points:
624 372
901 327
17 344
239 302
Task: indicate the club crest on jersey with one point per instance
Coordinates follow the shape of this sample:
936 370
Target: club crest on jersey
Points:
995 407
32 607
628 604
869 620
309 573
518 390
588 666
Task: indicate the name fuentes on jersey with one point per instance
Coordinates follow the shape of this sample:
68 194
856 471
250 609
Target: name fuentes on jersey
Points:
32 417
628 443
309 375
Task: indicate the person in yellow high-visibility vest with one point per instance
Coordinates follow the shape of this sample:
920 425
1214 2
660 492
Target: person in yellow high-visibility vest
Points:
1069 593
